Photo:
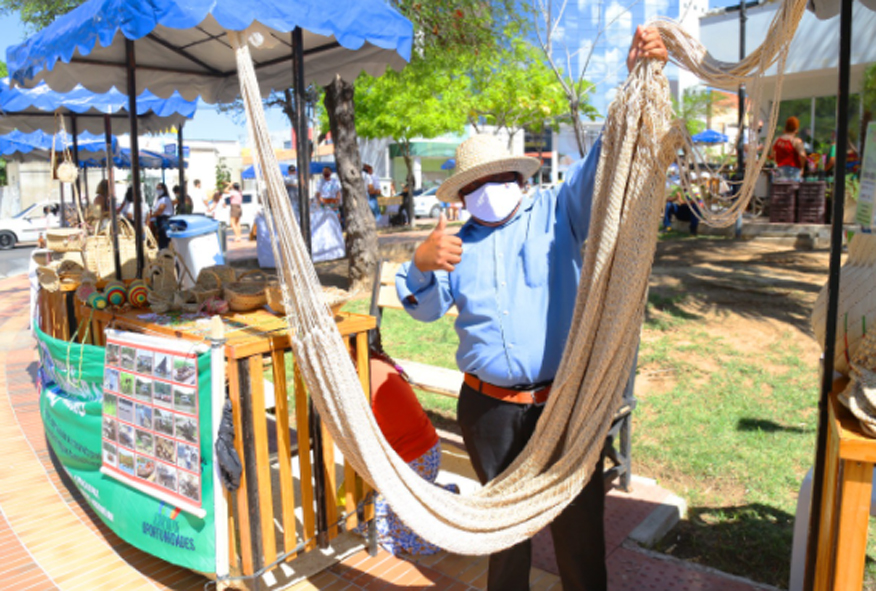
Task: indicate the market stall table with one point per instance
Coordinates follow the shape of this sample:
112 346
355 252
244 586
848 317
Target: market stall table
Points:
845 510
250 337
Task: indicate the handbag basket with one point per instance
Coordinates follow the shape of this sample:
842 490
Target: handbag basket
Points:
160 274
65 240
99 251
248 292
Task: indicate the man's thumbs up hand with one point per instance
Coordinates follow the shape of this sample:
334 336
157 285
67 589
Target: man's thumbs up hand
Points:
440 251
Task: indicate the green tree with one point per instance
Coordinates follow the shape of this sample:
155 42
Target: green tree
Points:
512 88
3 71
37 14
421 101
695 109
223 175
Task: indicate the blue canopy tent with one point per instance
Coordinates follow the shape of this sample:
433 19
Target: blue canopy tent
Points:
166 46
315 168
150 160
33 109
710 136
449 164
37 109
38 144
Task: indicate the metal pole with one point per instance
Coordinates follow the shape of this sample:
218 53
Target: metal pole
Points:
302 148
182 167
111 202
740 143
61 196
833 287
135 153
75 130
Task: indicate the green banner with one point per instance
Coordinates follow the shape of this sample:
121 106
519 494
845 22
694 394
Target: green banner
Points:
72 410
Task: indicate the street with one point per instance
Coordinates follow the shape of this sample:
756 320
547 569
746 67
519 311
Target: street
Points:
15 260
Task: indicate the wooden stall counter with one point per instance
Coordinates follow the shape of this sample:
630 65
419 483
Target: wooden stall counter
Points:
845 512
263 521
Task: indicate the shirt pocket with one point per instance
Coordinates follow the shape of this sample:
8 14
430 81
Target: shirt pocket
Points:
536 256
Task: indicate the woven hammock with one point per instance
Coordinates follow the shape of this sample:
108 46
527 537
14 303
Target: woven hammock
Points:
640 140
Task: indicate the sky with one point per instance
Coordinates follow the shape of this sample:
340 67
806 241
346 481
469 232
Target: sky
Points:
207 123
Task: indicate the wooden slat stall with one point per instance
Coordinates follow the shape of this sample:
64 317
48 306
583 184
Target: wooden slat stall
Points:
269 520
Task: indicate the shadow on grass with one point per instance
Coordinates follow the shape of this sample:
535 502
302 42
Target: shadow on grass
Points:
766 426
751 541
670 312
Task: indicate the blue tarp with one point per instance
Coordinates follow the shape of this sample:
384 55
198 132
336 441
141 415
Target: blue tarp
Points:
449 164
315 168
123 160
342 37
80 100
27 143
710 136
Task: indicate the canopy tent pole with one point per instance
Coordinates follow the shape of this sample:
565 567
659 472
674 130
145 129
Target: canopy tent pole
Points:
111 202
182 167
75 131
61 196
85 183
135 154
833 287
301 146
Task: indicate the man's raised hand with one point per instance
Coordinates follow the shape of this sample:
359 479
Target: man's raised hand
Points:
440 251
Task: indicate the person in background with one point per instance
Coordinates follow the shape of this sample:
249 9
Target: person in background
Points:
788 153
372 188
234 199
200 202
182 203
98 212
213 204
512 272
681 208
328 192
127 208
159 217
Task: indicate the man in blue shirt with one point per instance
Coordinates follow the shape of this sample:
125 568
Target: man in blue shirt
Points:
512 272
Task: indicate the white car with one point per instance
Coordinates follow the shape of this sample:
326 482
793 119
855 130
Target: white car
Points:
427 205
27 225
249 209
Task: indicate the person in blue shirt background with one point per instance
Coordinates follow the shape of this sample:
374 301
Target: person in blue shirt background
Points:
512 271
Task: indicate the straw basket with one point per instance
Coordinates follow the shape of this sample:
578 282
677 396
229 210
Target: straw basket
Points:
335 298
208 285
226 273
65 239
248 292
99 251
56 274
274 295
160 274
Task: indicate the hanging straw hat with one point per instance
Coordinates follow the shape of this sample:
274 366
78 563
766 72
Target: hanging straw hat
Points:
480 156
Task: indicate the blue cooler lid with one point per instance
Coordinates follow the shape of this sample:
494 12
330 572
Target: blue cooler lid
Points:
187 226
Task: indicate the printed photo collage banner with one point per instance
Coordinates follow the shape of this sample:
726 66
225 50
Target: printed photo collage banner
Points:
151 432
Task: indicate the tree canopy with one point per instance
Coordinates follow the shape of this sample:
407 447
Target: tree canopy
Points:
37 14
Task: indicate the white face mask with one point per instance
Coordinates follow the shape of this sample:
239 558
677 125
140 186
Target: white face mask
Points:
159 192
493 202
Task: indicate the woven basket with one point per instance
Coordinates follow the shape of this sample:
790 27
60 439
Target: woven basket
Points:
274 295
160 274
226 274
99 251
248 292
208 285
856 312
335 298
57 273
65 240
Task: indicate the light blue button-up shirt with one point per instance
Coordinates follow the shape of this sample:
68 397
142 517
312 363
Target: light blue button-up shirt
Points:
515 286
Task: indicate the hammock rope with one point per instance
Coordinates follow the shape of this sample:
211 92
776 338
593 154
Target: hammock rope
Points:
640 140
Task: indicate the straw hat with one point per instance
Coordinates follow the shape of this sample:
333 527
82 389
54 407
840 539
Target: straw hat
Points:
480 156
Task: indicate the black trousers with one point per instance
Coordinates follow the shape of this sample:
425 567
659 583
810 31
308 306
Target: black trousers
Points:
495 432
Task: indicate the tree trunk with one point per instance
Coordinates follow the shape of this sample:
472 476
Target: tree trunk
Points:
408 200
578 127
361 240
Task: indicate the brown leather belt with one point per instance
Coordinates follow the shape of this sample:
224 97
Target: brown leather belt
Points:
539 396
